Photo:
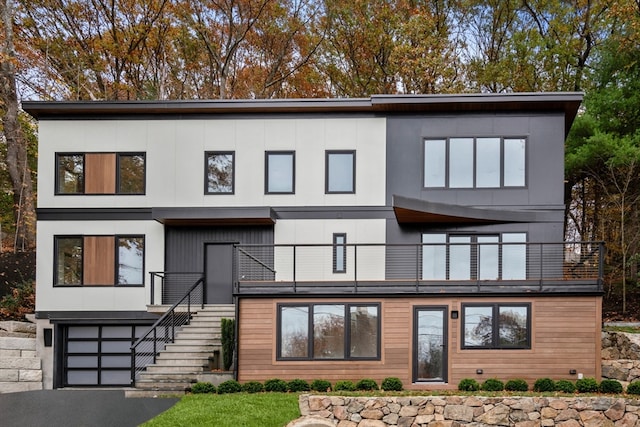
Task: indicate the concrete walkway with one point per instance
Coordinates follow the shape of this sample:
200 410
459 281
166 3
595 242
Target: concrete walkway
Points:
78 408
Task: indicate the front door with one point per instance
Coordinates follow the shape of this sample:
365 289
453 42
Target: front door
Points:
430 344
218 267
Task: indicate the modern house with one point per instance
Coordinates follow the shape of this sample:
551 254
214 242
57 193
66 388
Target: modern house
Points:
418 237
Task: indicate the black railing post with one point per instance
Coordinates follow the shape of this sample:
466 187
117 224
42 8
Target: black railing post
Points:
418 264
601 250
155 344
355 267
153 286
541 264
133 366
294 269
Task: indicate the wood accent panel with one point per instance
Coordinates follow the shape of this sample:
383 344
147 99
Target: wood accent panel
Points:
565 334
100 173
99 260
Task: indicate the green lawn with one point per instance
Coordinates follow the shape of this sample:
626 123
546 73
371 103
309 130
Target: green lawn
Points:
230 410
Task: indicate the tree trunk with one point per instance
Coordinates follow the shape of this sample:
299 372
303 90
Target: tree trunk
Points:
17 165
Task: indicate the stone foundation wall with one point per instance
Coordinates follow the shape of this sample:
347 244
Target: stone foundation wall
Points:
20 366
452 411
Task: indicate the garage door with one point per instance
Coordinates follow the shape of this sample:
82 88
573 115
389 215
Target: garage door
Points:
99 355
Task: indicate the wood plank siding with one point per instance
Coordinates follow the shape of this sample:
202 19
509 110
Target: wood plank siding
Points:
100 173
99 260
565 335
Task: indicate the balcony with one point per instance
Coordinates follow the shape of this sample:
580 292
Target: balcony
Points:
571 267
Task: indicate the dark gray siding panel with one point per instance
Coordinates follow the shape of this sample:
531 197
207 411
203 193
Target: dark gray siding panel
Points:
185 245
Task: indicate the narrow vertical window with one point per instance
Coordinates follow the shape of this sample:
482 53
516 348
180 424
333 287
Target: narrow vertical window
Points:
68 260
294 331
70 174
328 331
130 260
280 172
459 258
514 256
488 162
435 158
340 172
131 174
363 331
220 172
339 253
434 256
514 162
461 162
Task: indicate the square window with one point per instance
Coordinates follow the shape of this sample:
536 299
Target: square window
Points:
280 172
340 172
69 174
220 172
131 173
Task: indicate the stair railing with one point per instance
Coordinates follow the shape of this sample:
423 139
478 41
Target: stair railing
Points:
146 349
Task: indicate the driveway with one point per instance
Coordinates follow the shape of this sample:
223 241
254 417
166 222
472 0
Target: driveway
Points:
78 408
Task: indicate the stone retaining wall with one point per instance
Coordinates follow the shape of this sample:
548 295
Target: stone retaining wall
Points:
20 366
452 411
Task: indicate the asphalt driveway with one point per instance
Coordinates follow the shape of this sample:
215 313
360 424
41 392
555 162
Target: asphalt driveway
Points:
78 408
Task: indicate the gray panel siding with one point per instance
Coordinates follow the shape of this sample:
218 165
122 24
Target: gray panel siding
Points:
184 246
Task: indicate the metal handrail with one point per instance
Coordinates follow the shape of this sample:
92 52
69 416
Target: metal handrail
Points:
163 331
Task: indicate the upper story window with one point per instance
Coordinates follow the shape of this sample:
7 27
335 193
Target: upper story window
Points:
340 172
339 252
100 173
496 326
280 169
328 331
99 260
220 172
475 162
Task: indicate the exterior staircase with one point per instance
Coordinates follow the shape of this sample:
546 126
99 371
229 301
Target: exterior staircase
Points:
186 361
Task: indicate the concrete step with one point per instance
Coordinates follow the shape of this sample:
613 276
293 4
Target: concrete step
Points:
166 385
195 342
175 369
190 347
196 361
167 377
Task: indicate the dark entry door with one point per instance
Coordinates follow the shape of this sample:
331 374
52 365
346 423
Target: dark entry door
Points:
430 344
219 273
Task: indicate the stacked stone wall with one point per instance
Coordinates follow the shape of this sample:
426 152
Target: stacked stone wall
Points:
20 366
453 411
621 356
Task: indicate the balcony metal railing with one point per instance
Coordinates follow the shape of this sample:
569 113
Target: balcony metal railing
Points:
169 287
492 267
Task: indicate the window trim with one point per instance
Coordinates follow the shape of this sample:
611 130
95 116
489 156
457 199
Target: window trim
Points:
207 154
495 326
293 171
58 237
447 159
57 191
339 246
327 155
310 329
144 172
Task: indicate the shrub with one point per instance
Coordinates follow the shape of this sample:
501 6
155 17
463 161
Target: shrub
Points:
202 387
344 385
229 386
366 384
297 385
565 386
516 385
610 386
320 385
20 301
468 384
634 387
228 339
587 385
253 387
391 384
492 384
544 384
275 384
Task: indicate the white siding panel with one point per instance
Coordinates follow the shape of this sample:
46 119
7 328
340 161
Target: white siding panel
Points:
108 298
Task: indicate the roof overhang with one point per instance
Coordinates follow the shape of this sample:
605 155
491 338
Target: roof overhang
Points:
206 216
566 102
415 211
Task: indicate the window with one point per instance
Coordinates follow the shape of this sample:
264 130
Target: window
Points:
339 253
220 172
340 172
475 162
280 172
328 331
496 326
466 257
100 173
99 260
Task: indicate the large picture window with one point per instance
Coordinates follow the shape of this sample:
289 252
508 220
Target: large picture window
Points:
99 260
220 172
496 326
100 173
280 172
467 257
490 162
340 172
328 331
